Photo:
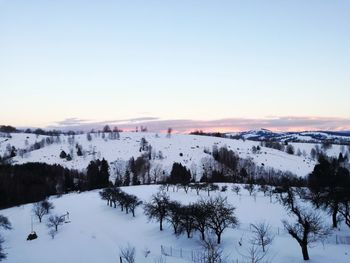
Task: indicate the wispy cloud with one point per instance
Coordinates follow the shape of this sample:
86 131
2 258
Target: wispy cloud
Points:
288 123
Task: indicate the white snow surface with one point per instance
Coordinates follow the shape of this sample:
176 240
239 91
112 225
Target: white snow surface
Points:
96 231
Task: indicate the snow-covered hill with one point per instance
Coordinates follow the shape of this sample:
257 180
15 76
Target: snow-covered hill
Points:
307 136
187 149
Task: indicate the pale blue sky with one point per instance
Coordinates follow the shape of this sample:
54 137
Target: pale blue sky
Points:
202 60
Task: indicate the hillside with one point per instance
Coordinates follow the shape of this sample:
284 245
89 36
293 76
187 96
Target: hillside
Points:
306 136
187 149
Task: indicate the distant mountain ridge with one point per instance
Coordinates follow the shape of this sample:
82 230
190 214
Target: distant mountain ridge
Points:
337 137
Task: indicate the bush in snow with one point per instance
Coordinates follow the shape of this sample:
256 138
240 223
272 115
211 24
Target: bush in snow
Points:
63 155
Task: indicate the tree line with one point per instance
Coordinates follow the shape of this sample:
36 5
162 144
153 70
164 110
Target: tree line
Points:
214 214
115 196
33 182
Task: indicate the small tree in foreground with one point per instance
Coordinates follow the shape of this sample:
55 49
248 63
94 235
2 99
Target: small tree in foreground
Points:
55 221
262 235
254 254
212 253
128 253
306 230
308 227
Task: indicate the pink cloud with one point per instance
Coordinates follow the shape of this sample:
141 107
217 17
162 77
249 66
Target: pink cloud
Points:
289 123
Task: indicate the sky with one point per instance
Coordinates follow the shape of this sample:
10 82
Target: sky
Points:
213 65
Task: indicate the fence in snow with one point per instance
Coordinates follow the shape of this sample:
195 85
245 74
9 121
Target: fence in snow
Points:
189 255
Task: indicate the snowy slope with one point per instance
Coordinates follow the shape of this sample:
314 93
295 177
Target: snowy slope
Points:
190 146
307 136
96 232
19 140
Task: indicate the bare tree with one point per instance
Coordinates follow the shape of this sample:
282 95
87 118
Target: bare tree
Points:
55 221
39 210
344 210
47 205
156 172
170 130
5 223
52 233
193 169
254 254
174 215
158 208
308 227
212 253
306 230
133 203
128 253
262 235
221 215
250 188
236 189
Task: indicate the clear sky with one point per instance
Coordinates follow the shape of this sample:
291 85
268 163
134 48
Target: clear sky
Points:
174 60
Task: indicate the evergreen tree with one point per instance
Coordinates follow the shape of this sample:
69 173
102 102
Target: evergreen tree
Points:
104 174
179 174
127 178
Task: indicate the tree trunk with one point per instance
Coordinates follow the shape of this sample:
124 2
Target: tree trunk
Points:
203 235
219 237
334 218
161 224
175 229
188 233
305 252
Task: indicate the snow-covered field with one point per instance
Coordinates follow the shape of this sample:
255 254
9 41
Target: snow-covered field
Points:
187 149
97 231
